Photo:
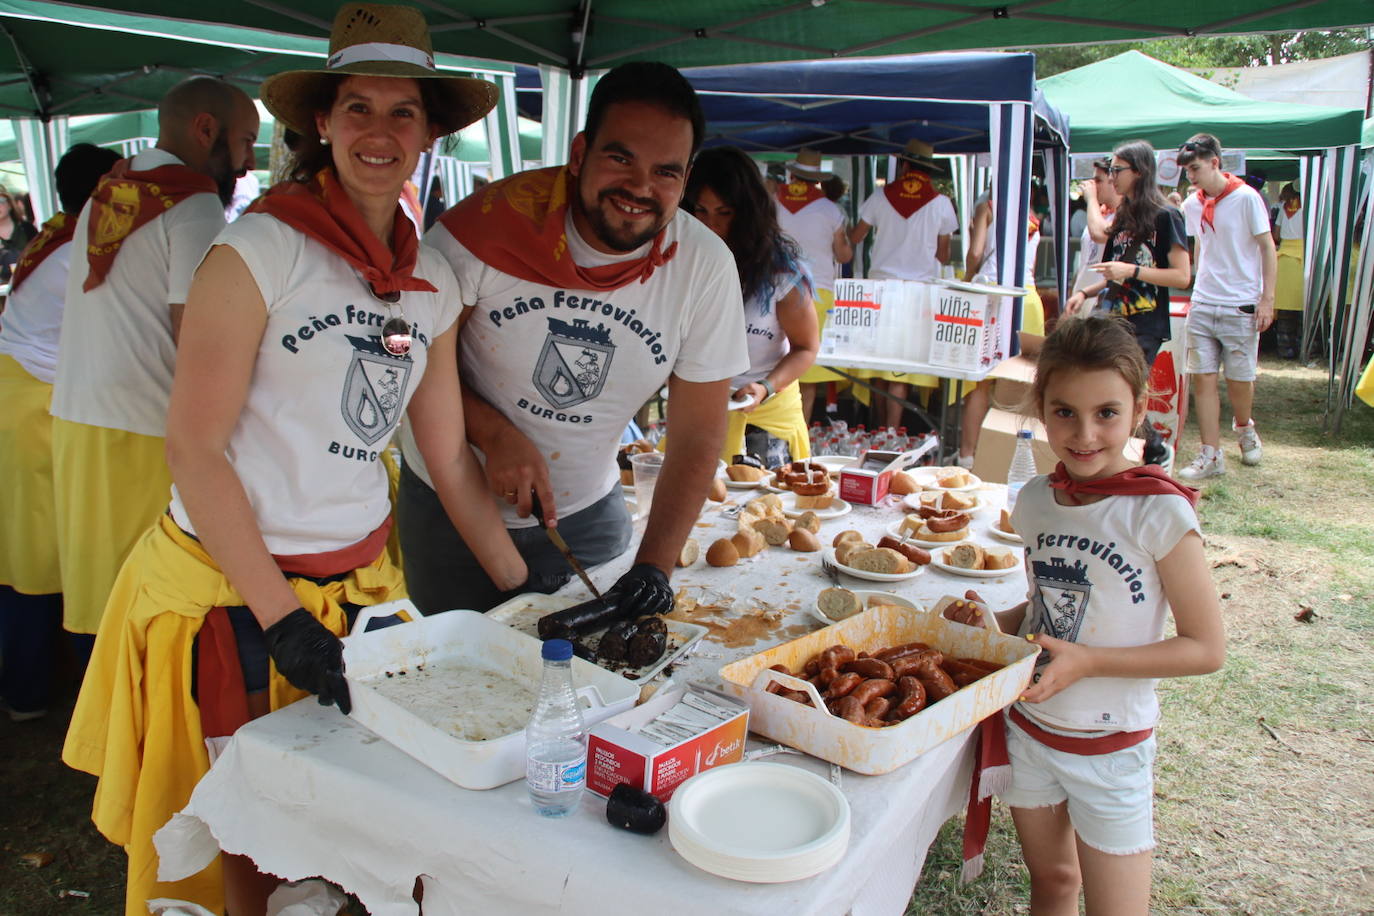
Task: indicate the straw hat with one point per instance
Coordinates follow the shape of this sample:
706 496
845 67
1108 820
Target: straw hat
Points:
807 165
369 39
922 154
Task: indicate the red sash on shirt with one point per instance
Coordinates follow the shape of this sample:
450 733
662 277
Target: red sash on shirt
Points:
1148 480
126 199
1084 747
910 193
797 194
518 226
220 691
1209 204
56 232
325 212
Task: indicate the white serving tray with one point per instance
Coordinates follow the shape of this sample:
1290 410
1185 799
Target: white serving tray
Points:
451 641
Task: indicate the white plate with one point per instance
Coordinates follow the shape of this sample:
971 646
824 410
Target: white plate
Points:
1002 535
926 478
837 508
895 529
746 401
760 822
938 561
865 596
829 554
835 463
912 501
746 484
986 289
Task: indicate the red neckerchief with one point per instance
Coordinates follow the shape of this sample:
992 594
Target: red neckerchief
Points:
910 193
797 194
1209 204
518 226
1032 226
56 232
126 199
1148 480
325 212
1106 211
1290 207
991 776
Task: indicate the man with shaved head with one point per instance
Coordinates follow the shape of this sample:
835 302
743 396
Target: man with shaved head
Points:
142 235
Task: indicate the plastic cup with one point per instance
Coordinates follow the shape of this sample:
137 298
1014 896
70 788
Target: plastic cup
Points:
645 467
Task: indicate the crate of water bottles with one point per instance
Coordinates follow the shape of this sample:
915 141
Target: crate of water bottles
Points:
838 440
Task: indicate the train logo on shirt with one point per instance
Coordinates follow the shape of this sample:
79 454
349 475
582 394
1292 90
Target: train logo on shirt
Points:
572 366
374 390
1061 597
114 218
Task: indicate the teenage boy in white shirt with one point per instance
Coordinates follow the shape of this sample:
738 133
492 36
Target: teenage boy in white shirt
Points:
1233 300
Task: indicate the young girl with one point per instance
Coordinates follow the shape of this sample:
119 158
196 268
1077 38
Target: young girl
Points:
1110 549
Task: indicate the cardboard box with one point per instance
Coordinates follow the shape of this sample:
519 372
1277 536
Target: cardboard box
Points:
617 753
1012 378
997 443
870 479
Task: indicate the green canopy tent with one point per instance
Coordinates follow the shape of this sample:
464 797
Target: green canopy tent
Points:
1167 105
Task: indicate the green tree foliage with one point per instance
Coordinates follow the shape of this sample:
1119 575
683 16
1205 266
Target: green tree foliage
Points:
1207 52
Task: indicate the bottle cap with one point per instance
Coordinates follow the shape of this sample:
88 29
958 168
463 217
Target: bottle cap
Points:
557 650
1023 434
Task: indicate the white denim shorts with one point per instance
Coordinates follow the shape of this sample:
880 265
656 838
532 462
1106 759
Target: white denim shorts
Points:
1110 796
1222 335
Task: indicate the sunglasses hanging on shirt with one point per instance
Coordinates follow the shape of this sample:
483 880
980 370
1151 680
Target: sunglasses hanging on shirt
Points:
396 336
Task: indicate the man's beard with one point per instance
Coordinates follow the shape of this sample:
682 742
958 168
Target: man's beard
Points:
221 169
618 239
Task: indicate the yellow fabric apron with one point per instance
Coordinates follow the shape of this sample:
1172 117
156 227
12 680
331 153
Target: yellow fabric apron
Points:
1288 292
780 415
136 726
1365 389
28 534
393 483
109 486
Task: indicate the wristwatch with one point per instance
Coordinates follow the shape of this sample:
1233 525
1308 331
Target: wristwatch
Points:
768 387
1136 275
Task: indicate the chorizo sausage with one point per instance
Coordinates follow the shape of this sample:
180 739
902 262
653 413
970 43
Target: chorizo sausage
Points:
836 656
911 698
871 688
795 695
842 685
938 684
812 667
896 652
870 667
952 523
989 667
877 707
824 677
961 673
849 709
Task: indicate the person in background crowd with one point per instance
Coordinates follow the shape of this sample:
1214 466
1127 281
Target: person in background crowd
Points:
144 231
725 193
1101 200
584 290
15 233
1289 296
313 325
1146 254
1233 300
30 581
807 214
913 224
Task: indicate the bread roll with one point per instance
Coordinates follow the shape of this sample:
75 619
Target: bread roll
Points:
745 473
717 493
965 556
689 553
766 505
952 477
925 534
808 521
803 540
960 501
903 483
996 558
846 550
880 560
917 555
722 553
910 525
838 603
823 501
1004 523
774 530
849 535
748 542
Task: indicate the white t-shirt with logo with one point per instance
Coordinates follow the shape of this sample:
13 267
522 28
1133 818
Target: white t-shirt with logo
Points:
325 396
813 228
570 367
32 322
1090 253
768 342
116 357
904 249
1094 580
1230 268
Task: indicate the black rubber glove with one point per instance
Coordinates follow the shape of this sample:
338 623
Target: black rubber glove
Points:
309 657
643 590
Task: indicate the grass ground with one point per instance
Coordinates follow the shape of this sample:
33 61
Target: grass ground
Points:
1248 823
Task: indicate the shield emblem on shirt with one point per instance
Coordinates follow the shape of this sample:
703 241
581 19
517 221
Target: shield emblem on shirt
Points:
1061 596
374 389
115 218
573 364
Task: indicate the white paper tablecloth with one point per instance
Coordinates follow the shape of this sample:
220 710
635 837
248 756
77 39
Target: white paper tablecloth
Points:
306 791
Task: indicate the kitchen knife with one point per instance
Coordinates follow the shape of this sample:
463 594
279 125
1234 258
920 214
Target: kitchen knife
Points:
562 546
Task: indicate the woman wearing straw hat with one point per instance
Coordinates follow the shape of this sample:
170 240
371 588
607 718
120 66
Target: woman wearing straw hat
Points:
313 325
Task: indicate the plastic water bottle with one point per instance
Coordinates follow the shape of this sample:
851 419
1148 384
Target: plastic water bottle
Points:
555 739
1022 467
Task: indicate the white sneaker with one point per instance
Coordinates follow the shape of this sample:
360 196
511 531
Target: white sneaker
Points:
1204 466
965 461
1250 446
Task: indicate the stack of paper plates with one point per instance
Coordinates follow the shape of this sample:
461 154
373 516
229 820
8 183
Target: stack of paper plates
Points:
759 822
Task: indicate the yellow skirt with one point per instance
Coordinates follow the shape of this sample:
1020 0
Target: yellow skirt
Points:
136 726
780 415
825 298
109 486
1288 291
1365 389
28 534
